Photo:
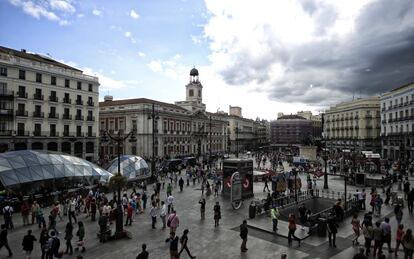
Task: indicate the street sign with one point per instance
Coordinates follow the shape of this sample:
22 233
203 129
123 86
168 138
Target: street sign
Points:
236 190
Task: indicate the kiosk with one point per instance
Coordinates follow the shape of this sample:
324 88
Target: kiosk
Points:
245 169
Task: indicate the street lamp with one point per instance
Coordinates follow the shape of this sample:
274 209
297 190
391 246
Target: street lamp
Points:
237 140
154 117
325 157
119 138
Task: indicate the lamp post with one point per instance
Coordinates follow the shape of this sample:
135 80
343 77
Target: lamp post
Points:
154 117
237 140
325 157
119 138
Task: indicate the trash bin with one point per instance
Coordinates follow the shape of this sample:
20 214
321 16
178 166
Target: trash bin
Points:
322 227
252 210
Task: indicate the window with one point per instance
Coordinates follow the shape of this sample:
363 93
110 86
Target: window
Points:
90 89
66 99
38 109
3 71
20 107
199 93
37 129
20 129
65 130
90 101
53 97
191 92
53 80
22 74
90 115
79 100
79 85
52 130
52 110
38 94
38 77
79 131
67 83
134 125
89 131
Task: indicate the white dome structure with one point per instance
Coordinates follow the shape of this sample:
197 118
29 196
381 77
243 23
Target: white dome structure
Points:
132 167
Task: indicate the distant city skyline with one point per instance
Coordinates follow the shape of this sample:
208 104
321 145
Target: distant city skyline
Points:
266 57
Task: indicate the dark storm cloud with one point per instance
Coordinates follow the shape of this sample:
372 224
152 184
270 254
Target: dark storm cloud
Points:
377 57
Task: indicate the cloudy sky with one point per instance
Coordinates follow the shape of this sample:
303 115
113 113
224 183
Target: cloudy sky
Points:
266 56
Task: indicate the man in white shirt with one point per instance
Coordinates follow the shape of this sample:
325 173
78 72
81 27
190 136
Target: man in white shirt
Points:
163 214
154 213
170 203
71 211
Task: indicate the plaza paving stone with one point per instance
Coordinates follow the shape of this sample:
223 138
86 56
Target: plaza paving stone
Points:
205 241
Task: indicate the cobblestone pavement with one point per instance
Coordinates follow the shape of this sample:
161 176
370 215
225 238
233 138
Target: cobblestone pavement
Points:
205 241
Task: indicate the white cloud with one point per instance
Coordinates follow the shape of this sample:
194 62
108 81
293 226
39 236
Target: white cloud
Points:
62 5
81 15
96 12
133 14
155 66
64 23
195 39
177 56
128 35
141 54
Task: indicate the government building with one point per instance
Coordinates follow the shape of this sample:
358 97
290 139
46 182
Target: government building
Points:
164 129
47 105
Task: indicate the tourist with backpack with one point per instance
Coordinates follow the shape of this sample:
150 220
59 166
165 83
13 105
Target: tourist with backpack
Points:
28 243
173 240
53 245
183 241
43 239
8 216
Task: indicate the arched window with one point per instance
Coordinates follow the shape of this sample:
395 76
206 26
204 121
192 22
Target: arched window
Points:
191 92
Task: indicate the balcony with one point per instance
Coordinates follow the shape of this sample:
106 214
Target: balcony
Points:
6 132
80 134
91 103
79 102
90 118
21 95
53 134
6 112
67 100
68 134
91 135
79 117
53 99
67 117
39 97
38 114
6 94
39 133
406 103
22 133
22 113
53 116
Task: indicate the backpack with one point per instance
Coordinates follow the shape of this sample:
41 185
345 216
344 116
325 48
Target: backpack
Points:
55 244
7 213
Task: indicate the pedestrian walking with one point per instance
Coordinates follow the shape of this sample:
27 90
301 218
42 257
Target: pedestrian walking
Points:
173 221
93 206
129 211
163 214
170 203
68 238
368 232
356 227
202 203
398 238
173 240
8 216
53 245
386 232
28 243
292 229
408 244
25 211
72 210
144 254
360 254
39 217
303 215
81 235
266 186
153 214
243 235
181 184
43 239
3 239
184 243
377 233
398 213
144 200
217 214
169 189
410 201
274 214
406 188
332 227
